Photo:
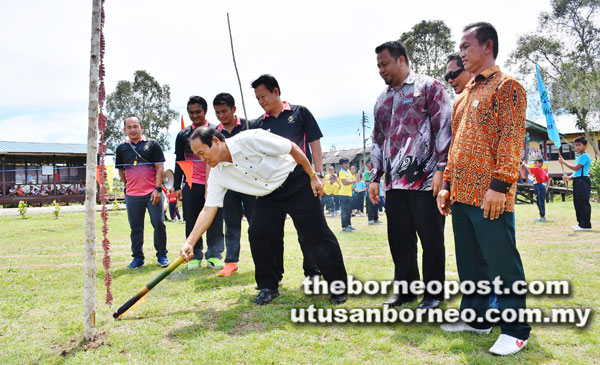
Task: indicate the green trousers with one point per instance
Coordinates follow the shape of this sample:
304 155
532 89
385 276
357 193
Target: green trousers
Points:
486 249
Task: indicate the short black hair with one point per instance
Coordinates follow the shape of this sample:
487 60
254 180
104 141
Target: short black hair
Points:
224 99
206 134
268 81
395 48
343 161
540 160
131 116
581 139
455 56
484 32
197 100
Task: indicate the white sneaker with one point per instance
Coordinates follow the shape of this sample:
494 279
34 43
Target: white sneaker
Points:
577 228
507 345
461 326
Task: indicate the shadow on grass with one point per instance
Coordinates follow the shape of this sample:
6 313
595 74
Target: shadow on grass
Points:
242 317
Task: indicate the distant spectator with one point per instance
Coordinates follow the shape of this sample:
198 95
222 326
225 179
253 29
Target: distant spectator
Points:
359 194
540 187
581 184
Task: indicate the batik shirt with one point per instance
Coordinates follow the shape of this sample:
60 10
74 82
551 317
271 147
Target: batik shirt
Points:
488 137
412 133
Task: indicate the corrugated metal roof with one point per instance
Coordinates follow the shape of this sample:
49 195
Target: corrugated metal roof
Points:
566 122
38 147
336 155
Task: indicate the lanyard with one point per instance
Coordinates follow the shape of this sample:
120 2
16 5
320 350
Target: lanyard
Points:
137 154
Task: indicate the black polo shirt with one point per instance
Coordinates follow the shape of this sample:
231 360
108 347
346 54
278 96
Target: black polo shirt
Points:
240 125
295 123
137 160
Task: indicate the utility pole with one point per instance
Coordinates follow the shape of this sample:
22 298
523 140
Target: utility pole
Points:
365 120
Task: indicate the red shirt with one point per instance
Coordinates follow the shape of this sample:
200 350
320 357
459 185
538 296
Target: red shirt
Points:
540 174
172 198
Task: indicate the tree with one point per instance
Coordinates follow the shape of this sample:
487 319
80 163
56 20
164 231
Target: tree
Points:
145 98
566 46
427 45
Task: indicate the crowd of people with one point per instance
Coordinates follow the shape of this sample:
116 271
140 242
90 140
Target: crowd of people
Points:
333 195
430 158
19 190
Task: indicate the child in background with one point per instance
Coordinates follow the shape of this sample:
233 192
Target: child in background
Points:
582 184
540 188
173 210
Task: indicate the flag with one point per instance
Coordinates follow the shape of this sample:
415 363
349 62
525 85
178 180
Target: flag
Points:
110 175
547 110
182 123
188 170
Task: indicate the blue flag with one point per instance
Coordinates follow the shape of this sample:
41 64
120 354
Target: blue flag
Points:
547 109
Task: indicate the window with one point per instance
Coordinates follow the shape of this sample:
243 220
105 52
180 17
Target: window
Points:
566 150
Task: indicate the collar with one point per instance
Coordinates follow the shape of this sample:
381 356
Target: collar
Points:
485 74
410 79
143 139
238 122
286 106
206 124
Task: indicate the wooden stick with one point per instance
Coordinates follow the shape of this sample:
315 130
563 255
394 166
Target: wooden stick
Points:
131 303
236 71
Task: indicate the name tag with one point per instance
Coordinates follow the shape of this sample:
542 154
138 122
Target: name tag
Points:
407 101
475 103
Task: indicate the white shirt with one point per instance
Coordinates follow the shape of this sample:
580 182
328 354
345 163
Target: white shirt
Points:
261 162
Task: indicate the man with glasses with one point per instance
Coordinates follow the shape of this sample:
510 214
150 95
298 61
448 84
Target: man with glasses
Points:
456 74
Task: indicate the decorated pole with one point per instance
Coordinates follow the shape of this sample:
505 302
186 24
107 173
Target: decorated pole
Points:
89 281
130 304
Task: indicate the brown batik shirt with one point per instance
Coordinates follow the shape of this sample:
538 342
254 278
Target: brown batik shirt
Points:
488 135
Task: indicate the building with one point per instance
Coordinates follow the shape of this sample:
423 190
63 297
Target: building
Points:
354 155
538 144
44 171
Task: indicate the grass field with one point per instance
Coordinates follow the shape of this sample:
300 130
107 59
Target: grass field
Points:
195 316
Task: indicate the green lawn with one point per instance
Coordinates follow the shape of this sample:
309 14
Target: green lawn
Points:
198 317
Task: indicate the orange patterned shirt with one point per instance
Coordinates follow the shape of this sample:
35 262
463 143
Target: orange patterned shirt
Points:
488 133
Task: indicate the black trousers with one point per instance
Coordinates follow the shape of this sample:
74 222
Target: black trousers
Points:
192 204
582 187
372 211
346 210
232 215
410 213
295 198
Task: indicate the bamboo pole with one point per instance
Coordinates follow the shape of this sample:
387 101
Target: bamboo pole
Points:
89 282
236 70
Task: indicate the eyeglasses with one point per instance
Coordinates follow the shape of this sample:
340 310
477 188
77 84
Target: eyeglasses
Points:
453 74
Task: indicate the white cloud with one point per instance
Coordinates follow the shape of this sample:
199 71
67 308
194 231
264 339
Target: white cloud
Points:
322 52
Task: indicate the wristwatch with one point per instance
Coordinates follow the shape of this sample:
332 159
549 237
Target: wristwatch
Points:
321 174
158 188
440 168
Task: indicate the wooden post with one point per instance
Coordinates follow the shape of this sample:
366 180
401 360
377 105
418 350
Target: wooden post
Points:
89 283
4 190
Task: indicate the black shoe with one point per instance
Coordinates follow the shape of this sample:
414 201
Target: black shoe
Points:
266 296
429 303
397 300
338 298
